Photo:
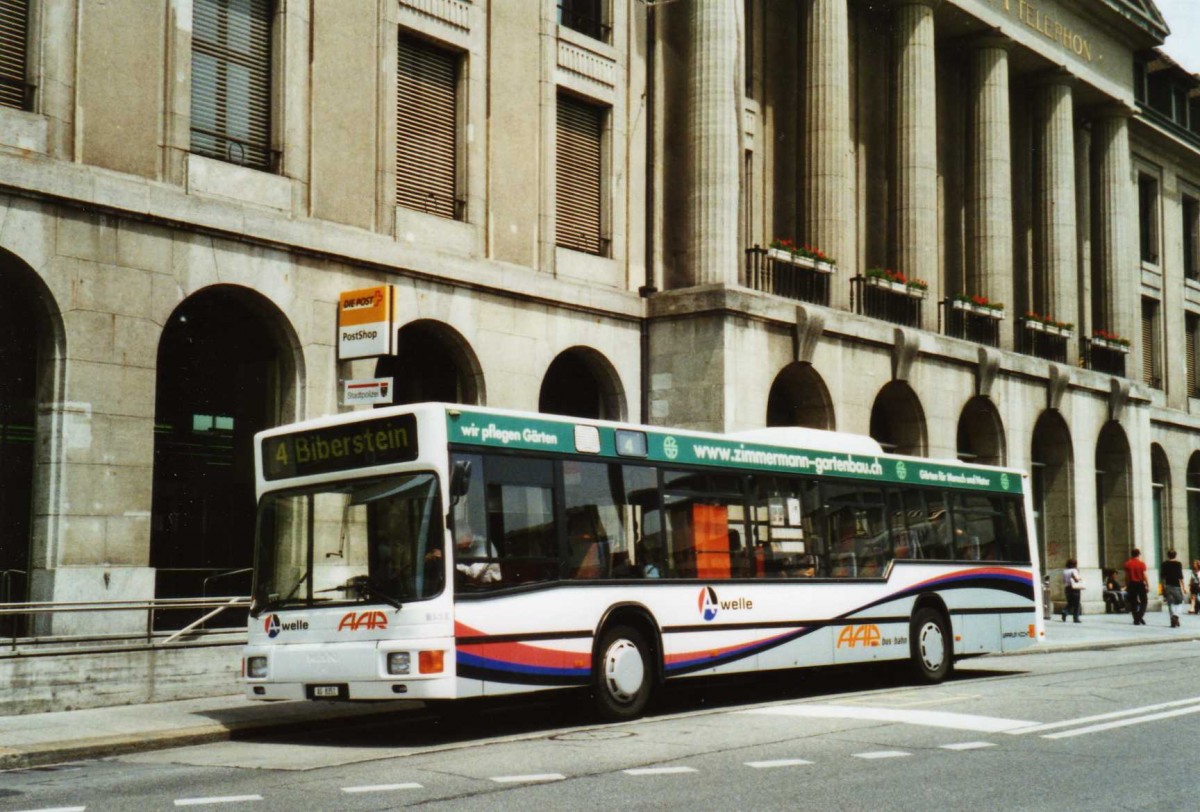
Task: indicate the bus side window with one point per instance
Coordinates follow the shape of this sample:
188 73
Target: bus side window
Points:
785 545
705 523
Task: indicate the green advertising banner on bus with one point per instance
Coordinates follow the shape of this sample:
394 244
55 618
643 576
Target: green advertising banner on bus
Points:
532 434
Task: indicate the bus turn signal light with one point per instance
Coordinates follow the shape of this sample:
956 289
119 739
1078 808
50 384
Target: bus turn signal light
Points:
431 662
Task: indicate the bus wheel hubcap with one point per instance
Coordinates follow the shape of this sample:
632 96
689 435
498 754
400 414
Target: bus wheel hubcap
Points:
624 670
933 646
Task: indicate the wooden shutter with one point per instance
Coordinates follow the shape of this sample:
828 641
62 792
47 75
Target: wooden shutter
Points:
1190 344
14 33
231 81
578 167
427 128
1148 354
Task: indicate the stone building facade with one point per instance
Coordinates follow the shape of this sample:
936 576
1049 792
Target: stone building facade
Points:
576 202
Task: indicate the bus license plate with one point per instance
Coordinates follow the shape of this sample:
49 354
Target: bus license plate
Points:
327 691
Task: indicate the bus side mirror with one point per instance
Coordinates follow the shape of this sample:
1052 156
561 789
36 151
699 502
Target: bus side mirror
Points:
460 480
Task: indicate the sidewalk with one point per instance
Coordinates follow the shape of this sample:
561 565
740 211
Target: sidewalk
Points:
52 738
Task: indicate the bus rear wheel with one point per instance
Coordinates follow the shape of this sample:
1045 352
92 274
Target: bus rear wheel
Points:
623 677
931 647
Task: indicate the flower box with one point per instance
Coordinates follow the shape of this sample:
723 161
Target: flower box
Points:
823 266
979 310
799 260
1115 346
1054 329
895 287
1035 326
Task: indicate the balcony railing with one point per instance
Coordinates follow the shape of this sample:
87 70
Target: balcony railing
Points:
884 299
1103 355
972 322
772 271
1043 340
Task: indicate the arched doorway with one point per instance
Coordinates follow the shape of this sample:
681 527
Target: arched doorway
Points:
981 433
227 368
1053 494
433 362
1193 505
29 332
898 421
1160 485
581 382
799 397
1114 491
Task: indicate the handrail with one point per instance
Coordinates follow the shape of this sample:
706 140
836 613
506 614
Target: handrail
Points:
226 574
149 606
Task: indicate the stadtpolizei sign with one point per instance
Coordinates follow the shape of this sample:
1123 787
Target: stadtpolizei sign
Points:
365 322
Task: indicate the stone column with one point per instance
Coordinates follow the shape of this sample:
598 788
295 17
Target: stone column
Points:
714 129
916 145
1055 253
827 130
989 193
1083 221
1114 249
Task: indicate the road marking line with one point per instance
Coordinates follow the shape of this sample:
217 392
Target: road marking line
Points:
1122 723
381 788
228 799
520 779
967 746
782 762
659 770
956 721
59 809
1103 716
883 754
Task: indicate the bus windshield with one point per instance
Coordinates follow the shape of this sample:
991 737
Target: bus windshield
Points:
377 540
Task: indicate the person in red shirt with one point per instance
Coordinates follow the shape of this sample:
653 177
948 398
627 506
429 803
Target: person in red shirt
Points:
1136 586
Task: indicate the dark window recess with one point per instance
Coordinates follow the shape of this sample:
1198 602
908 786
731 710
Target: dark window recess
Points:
231 81
584 16
427 129
14 38
1151 375
578 166
1193 325
1191 237
1148 217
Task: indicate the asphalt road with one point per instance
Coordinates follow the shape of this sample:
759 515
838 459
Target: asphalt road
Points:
1082 730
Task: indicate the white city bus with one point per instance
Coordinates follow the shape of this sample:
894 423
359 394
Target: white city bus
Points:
438 552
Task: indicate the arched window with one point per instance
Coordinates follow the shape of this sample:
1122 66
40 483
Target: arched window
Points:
898 421
1114 513
981 433
433 362
581 382
799 398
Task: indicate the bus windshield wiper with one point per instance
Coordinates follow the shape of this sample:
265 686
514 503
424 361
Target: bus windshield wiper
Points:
363 586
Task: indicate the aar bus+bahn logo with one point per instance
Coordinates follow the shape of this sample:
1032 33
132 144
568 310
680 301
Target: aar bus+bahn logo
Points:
353 621
709 604
272 625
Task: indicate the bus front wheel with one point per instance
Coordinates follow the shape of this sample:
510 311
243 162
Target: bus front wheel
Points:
623 676
931 646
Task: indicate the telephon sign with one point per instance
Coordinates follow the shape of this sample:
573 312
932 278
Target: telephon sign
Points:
365 322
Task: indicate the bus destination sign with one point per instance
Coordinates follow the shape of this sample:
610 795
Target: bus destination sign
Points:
340 448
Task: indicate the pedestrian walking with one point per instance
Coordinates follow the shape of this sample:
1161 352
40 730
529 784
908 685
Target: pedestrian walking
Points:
1172 581
1073 586
1135 586
1194 588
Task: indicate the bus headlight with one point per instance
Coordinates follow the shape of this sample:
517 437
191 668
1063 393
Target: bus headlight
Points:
256 667
398 662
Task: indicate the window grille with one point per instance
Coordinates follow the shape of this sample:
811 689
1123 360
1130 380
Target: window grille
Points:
231 81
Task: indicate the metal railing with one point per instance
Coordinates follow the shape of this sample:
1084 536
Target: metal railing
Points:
972 325
1104 359
1043 342
785 279
35 613
881 299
